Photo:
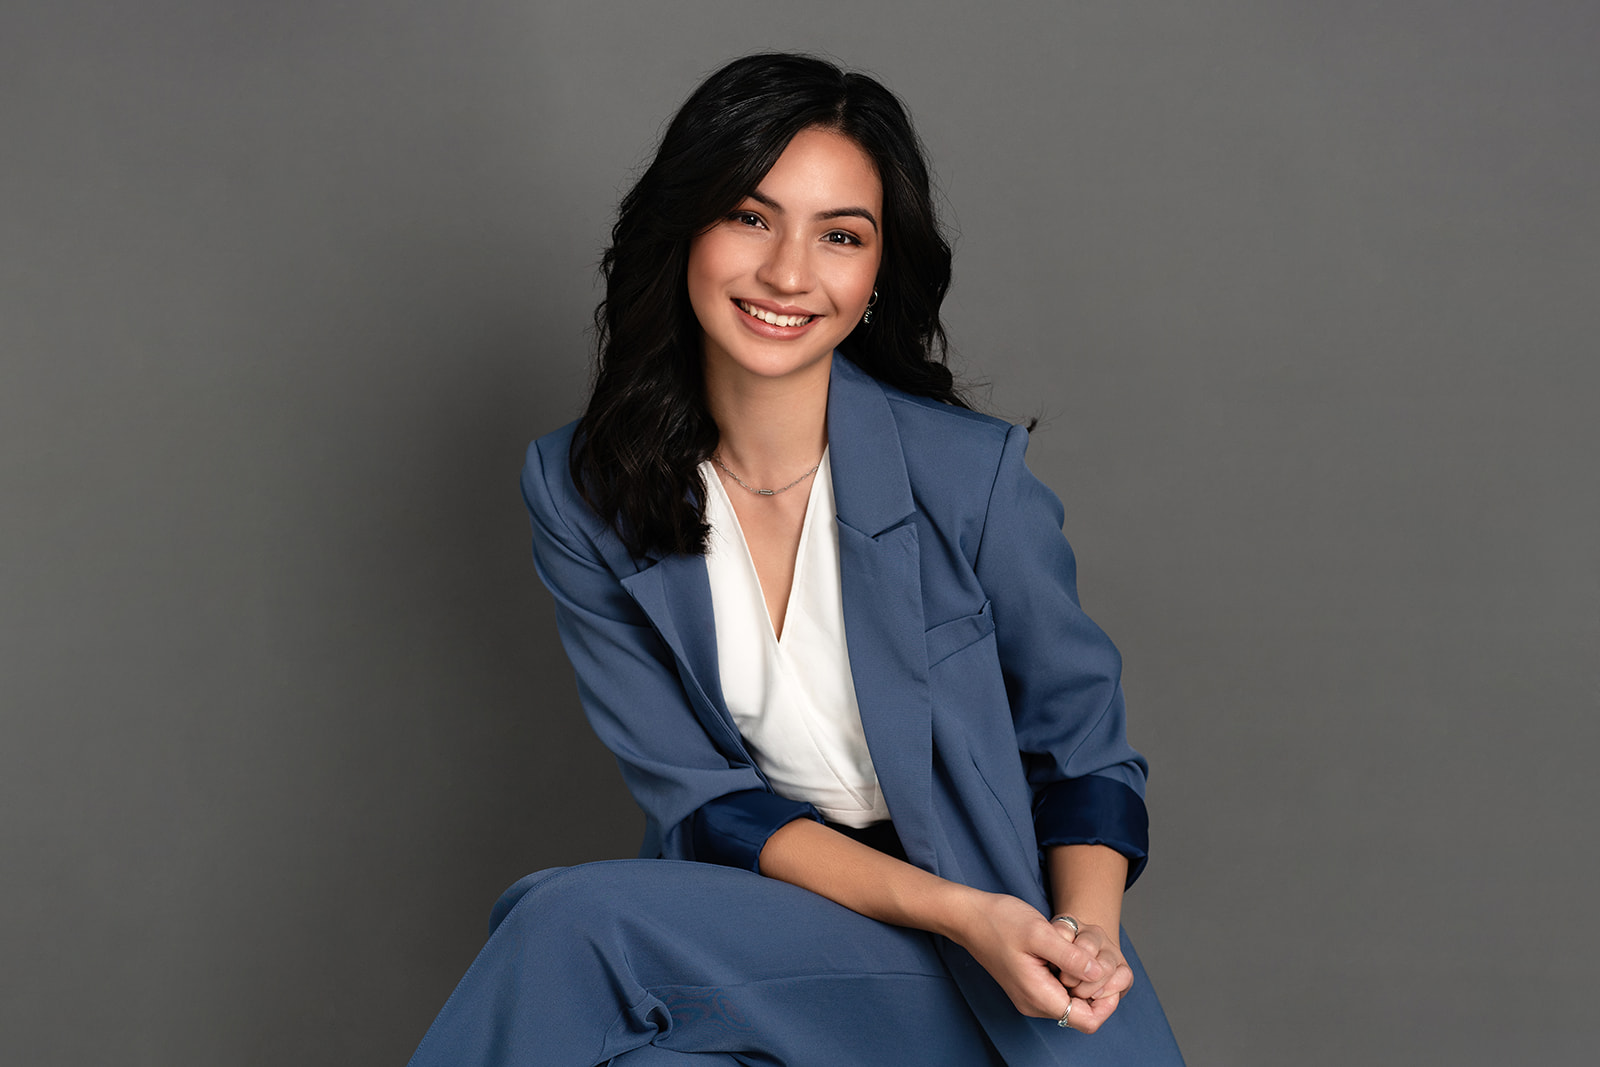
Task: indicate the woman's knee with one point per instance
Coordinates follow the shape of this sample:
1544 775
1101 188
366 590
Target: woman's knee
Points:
514 894
594 895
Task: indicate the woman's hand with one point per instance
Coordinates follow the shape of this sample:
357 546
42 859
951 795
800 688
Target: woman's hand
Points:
1039 965
1094 999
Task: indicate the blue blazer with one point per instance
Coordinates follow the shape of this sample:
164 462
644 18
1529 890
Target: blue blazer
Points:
991 703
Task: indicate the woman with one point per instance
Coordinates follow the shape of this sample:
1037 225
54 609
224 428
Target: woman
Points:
826 621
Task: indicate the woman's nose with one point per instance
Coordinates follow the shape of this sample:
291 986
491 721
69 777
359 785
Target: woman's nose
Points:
788 266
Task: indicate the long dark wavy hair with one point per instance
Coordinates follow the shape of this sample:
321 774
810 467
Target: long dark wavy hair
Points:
638 447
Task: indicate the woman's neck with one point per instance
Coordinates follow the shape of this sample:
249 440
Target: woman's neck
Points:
770 429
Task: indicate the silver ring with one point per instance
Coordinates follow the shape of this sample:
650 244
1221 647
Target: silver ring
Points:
1065 1014
1070 921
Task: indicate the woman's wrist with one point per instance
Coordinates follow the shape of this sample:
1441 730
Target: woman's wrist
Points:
956 909
1102 908
1086 883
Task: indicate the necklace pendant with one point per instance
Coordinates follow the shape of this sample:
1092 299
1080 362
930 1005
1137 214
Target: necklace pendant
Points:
766 492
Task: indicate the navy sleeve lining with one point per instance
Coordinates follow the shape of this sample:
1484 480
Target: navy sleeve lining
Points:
1094 810
733 829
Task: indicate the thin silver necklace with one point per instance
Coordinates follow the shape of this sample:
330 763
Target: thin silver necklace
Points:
764 492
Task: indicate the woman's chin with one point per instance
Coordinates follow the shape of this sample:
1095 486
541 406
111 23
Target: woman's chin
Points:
769 362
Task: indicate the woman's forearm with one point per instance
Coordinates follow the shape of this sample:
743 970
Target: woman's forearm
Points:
815 857
1029 957
1086 882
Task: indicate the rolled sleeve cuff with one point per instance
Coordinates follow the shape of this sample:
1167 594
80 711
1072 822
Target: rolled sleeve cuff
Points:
1094 810
733 829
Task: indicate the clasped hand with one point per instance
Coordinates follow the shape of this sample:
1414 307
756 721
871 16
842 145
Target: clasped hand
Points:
1042 967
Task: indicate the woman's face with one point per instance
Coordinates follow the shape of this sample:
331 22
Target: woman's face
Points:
787 275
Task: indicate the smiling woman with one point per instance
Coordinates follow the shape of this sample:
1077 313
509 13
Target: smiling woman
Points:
786 276
868 718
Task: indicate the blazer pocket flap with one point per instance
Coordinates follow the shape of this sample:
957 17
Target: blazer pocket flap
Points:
948 638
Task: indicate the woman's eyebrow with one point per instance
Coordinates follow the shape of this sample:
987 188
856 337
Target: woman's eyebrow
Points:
857 212
836 213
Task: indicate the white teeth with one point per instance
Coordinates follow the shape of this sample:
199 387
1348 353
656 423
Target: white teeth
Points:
772 317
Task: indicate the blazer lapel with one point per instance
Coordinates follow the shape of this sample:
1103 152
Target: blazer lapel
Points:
675 592
881 580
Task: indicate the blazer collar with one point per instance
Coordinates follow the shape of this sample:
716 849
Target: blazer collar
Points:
870 486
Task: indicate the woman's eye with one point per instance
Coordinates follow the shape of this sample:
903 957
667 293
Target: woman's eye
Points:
839 237
746 218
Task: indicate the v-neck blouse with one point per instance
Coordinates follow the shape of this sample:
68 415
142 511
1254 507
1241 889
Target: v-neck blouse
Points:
792 698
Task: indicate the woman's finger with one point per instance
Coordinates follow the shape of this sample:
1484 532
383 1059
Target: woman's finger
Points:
1113 974
1117 981
1087 1016
1089 938
1120 982
1075 962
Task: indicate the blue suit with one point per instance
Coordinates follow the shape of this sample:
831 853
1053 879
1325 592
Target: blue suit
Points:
991 704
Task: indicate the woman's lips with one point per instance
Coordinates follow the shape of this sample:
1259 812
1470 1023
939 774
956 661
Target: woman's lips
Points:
787 324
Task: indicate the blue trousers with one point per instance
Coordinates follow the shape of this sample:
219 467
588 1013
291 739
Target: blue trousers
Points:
659 963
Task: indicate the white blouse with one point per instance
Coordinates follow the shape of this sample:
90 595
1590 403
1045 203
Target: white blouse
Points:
792 698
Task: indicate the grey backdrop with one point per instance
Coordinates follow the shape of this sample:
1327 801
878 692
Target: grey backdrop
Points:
1305 292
